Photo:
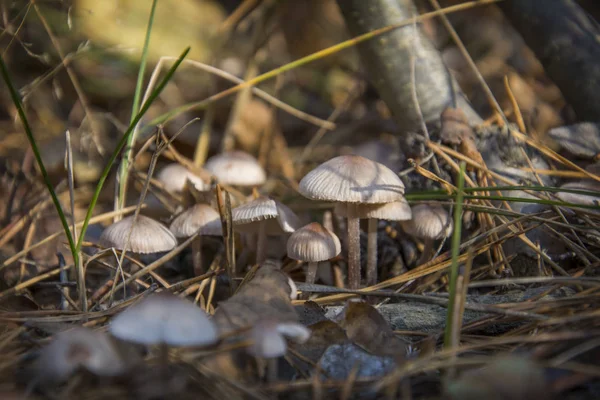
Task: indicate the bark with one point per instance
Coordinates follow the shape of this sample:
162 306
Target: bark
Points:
566 41
389 59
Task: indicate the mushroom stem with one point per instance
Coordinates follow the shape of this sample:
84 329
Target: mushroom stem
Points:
427 251
353 247
372 253
197 255
311 274
163 356
272 370
261 244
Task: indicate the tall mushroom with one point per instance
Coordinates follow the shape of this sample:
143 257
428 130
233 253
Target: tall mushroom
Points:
201 219
264 216
352 180
313 243
394 211
430 223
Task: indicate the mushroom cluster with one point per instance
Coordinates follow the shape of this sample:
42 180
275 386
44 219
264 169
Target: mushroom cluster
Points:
362 186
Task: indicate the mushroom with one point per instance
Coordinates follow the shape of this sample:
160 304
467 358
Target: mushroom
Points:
174 176
201 219
353 180
77 348
394 211
268 341
265 216
313 243
166 320
236 168
429 222
147 235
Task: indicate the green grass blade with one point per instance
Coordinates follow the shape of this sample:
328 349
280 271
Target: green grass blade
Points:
36 152
155 93
455 253
124 170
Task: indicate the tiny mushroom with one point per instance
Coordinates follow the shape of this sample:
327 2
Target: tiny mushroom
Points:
200 219
268 341
174 176
236 168
147 235
313 243
265 216
393 211
77 348
430 222
166 320
353 180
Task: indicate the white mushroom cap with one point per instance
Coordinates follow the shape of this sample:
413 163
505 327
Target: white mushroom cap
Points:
174 176
428 222
200 218
576 198
268 337
164 318
313 243
278 217
236 168
352 179
78 348
394 211
147 236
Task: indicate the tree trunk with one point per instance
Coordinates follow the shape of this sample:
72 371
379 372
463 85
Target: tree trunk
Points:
389 59
566 41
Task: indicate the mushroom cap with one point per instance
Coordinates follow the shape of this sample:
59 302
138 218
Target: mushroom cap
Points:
147 235
313 243
352 179
75 348
164 318
267 341
200 218
394 211
174 176
236 168
278 217
428 222
577 198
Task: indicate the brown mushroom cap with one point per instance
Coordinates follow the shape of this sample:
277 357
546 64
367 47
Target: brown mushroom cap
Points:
200 218
428 222
394 211
313 243
174 176
147 236
236 168
277 216
352 179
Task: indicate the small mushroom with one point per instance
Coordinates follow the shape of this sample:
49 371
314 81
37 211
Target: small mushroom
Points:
265 216
77 348
313 243
394 211
201 219
268 341
236 168
352 180
164 319
147 235
430 223
174 176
